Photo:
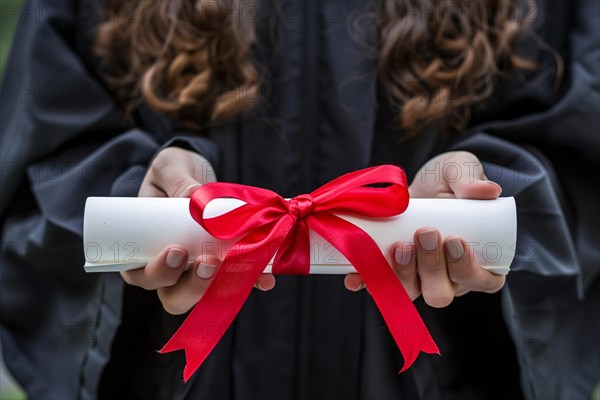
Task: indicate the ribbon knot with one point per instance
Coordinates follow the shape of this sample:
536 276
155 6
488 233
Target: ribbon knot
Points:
301 206
271 227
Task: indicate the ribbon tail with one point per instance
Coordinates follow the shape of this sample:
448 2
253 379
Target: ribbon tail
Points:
400 314
225 296
212 316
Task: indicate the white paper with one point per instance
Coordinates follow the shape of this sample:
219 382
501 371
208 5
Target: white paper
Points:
123 233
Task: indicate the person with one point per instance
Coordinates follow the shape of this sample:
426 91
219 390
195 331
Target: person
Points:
147 102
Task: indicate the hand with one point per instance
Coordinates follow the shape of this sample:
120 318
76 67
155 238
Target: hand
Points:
443 269
176 172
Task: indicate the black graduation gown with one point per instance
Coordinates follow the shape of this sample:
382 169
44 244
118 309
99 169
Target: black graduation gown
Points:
69 334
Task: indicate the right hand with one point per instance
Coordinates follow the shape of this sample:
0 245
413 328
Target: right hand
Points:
176 172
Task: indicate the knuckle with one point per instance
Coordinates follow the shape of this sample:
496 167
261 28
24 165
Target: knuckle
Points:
175 308
431 263
169 279
127 278
137 280
160 161
406 272
174 305
146 285
178 185
438 300
496 285
154 281
460 273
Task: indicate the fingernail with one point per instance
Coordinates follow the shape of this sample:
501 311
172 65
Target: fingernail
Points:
175 258
206 271
259 287
454 248
495 184
359 287
188 190
403 255
428 240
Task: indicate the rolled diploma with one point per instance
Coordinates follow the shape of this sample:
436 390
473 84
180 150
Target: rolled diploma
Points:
124 233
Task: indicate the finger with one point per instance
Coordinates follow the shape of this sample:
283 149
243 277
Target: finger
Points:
354 282
265 282
150 190
175 181
405 267
164 269
464 271
461 291
436 287
182 296
179 172
207 265
465 176
477 189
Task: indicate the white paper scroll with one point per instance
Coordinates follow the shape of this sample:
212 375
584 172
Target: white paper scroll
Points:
123 233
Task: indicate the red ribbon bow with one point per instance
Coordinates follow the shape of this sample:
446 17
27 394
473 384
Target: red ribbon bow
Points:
269 225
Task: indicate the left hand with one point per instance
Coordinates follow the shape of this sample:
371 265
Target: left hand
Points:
179 283
443 269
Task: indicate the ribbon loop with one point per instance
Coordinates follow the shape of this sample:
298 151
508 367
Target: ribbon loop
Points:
270 226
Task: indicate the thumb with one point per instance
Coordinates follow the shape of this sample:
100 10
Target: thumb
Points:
177 182
469 180
178 172
477 189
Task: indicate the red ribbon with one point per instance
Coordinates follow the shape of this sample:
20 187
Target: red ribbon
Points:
269 225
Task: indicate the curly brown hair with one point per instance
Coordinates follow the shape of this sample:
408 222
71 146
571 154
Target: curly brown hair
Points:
191 58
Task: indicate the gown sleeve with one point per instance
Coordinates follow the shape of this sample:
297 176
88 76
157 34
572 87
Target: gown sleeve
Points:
548 160
62 139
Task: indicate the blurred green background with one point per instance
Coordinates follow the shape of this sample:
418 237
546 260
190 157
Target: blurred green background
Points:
9 16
